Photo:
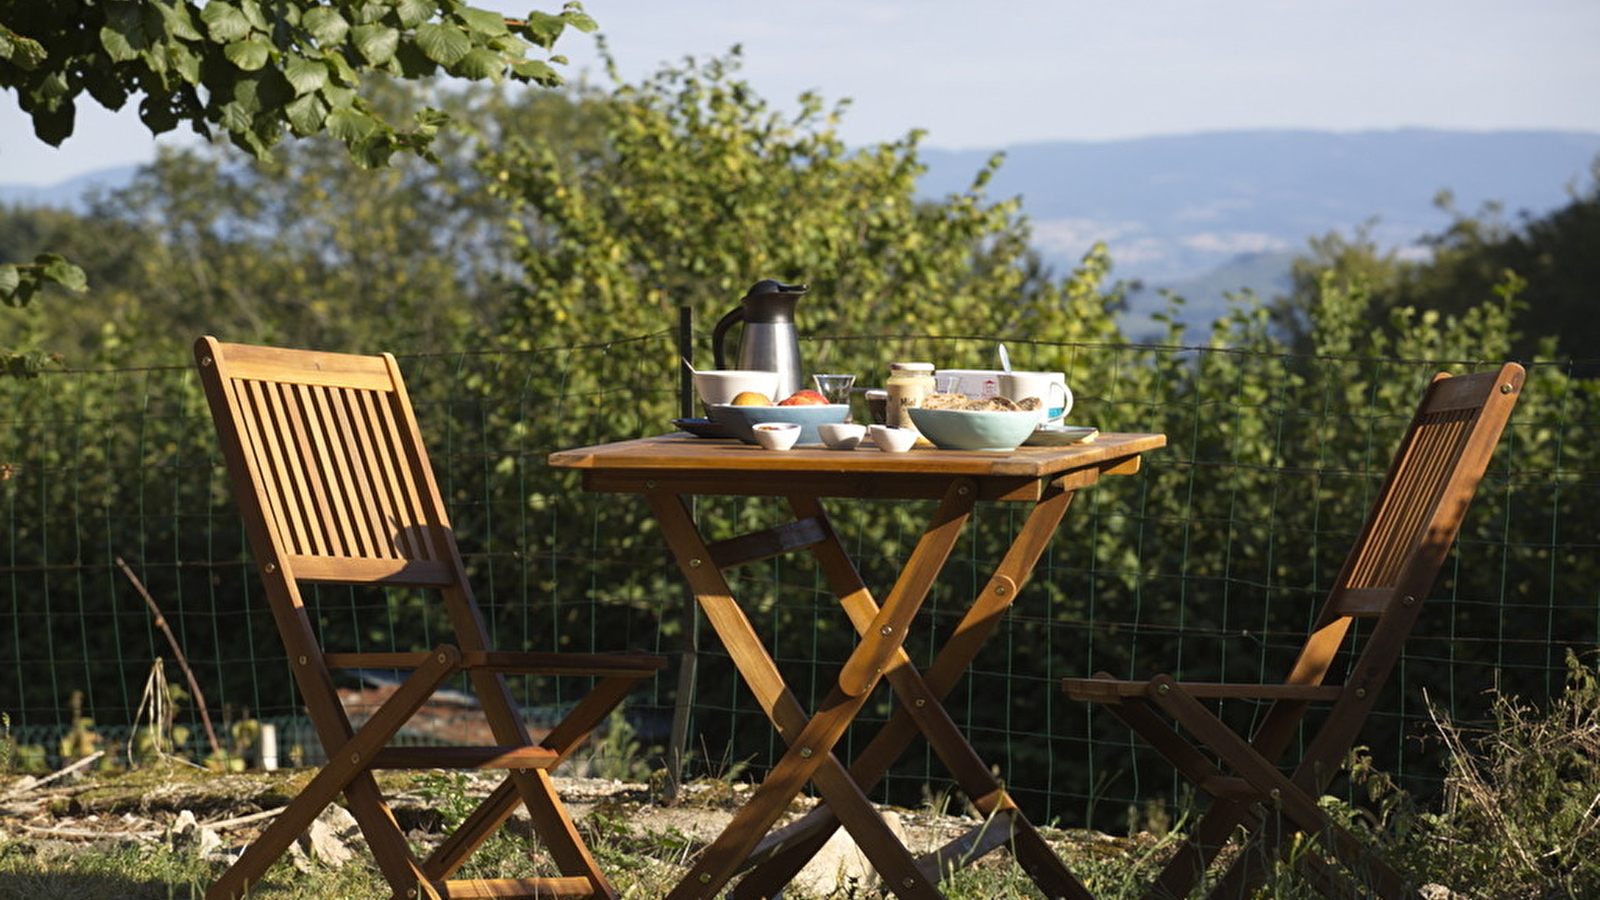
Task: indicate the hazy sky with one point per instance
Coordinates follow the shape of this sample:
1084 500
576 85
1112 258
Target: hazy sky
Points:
986 73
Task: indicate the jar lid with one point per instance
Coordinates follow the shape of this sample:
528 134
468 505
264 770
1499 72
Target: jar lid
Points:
910 367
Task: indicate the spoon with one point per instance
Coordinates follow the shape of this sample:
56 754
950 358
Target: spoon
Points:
1005 359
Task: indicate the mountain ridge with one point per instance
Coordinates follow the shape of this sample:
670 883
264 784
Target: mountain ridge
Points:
1183 212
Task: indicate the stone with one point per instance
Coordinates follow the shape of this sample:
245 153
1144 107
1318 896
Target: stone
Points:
325 840
186 833
840 868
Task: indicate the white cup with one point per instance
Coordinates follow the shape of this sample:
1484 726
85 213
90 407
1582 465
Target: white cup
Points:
1050 387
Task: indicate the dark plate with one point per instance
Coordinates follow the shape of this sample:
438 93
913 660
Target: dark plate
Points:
705 428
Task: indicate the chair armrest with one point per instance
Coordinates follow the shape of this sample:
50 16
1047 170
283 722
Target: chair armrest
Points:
1102 689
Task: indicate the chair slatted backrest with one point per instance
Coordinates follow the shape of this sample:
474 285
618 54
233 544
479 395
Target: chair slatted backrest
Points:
1414 519
339 470
334 485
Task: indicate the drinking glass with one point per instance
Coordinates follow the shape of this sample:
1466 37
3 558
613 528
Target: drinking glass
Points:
836 388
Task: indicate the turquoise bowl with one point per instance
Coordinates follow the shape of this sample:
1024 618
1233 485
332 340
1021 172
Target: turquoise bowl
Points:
971 429
740 420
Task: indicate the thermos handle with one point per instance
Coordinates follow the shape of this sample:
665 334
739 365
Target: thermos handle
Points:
721 331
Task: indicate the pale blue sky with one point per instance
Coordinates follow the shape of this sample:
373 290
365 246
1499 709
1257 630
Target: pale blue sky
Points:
986 73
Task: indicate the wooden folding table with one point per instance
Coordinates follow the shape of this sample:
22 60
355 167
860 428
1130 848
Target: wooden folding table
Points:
671 470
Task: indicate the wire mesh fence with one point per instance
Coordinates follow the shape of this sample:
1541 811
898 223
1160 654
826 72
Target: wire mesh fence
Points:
121 547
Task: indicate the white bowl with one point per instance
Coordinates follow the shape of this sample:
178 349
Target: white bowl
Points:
972 429
890 439
841 435
720 386
776 435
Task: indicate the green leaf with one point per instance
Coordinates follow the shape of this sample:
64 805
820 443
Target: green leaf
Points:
349 125
307 76
237 117
413 63
483 21
179 23
306 114
444 44
224 22
543 28
54 267
184 62
157 114
376 42
25 53
249 55
479 64
580 20
338 97
414 12
536 71
253 14
326 25
117 45
372 153
10 277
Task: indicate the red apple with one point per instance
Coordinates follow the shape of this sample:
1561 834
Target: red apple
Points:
804 398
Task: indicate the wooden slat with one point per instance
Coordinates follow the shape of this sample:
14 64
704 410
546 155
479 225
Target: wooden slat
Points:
465 758
354 570
969 847
553 888
1107 690
767 543
1360 601
253 362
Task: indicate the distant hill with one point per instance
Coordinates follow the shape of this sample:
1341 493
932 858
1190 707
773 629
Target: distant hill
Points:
1207 214
1187 212
69 194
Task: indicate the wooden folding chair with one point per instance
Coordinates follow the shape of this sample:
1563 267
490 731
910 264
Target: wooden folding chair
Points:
334 485
1408 533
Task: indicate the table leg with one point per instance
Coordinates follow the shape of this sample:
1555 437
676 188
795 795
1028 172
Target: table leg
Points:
811 741
921 708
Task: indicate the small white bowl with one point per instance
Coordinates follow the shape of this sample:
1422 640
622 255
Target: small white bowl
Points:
891 439
776 435
841 435
722 385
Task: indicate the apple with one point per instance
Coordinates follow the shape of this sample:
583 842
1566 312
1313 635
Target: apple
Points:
804 398
751 398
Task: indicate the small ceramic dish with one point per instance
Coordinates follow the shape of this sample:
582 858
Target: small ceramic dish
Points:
841 435
890 439
776 435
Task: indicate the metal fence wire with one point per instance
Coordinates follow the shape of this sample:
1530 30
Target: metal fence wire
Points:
122 547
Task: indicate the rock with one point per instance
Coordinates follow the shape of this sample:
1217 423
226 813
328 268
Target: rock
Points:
1439 892
186 833
840 868
325 840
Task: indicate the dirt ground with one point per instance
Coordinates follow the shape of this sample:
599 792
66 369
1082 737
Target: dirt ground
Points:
149 804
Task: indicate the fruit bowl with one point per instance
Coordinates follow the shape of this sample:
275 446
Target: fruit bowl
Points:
975 429
740 420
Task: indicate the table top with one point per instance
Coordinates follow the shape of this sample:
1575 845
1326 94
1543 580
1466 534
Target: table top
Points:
726 466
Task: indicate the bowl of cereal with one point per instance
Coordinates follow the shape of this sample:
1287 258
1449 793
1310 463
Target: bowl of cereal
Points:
952 422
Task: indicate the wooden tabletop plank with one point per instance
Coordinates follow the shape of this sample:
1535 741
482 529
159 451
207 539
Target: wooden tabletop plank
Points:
708 456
